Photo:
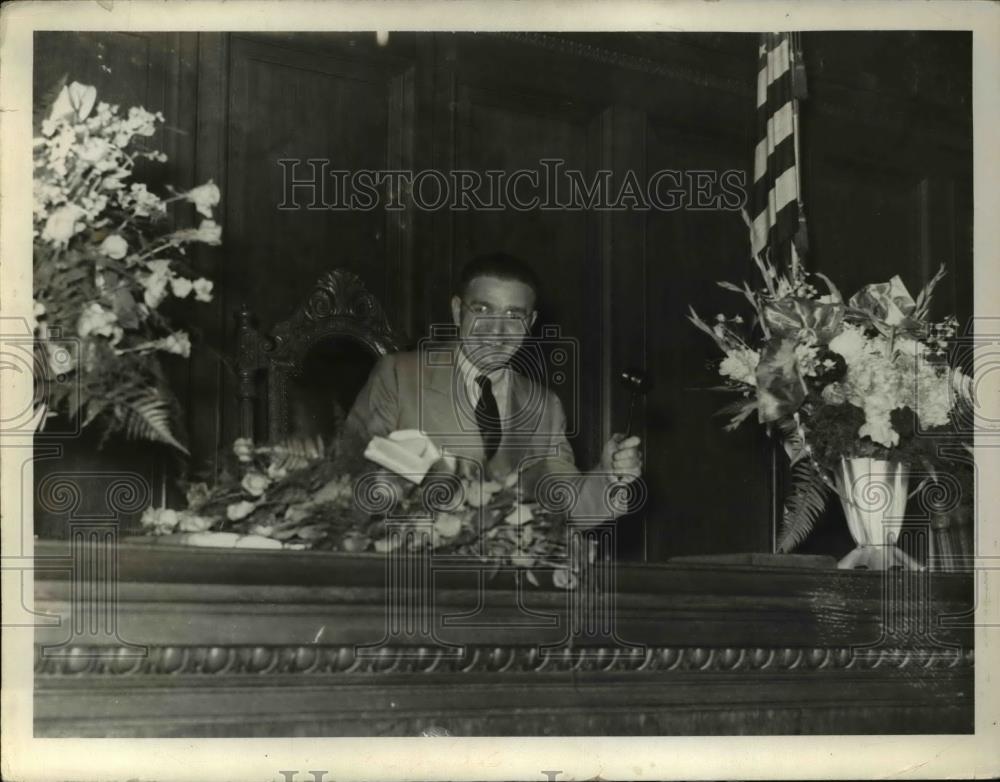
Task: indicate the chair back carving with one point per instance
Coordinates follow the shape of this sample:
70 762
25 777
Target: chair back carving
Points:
339 307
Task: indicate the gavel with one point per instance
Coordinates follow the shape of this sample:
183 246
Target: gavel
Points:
637 382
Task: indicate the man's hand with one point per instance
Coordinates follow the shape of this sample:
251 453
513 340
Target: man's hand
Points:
621 458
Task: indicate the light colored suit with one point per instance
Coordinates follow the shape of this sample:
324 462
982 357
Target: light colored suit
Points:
423 390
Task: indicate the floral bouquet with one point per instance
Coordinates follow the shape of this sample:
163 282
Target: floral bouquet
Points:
302 495
836 379
105 260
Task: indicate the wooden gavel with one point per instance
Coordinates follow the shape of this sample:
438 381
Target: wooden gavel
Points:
637 382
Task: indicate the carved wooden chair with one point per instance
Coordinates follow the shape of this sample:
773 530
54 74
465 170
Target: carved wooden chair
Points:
310 367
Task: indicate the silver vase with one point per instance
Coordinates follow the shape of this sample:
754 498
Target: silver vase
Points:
873 493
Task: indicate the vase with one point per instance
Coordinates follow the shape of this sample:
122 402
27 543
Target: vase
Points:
873 494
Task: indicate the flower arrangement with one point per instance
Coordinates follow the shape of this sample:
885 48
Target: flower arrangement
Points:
865 377
105 261
303 495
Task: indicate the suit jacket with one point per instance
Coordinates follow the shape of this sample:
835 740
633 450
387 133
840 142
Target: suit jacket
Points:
423 390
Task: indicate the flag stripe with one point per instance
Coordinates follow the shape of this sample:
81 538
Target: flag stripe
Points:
778 130
775 193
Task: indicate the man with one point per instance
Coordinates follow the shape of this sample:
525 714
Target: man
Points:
469 398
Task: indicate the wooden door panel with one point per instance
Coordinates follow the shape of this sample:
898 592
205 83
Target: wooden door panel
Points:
708 487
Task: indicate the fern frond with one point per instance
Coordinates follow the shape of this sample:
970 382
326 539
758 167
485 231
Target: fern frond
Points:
146 416
296 453
803 505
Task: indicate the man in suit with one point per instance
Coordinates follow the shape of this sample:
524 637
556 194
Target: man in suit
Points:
470 399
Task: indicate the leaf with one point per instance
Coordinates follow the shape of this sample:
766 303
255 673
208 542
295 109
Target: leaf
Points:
146 416
803 505
924 297
834 290
741 415
125 309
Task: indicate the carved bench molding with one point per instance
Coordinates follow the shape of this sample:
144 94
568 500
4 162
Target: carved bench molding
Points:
344 660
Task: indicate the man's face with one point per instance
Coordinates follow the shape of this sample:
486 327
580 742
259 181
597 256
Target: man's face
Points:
493 317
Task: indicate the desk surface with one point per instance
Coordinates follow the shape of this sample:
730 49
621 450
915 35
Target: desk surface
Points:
669 649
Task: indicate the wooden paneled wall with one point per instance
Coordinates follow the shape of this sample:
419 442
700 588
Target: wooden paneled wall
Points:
886 166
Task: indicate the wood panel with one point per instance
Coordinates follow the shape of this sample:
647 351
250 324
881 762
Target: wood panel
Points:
296 103
706 481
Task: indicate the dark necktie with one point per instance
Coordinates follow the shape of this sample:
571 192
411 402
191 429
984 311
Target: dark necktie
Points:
488 416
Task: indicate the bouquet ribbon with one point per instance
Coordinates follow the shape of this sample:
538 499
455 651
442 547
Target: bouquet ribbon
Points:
888 305
789 317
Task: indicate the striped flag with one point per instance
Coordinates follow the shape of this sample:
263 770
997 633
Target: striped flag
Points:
776 213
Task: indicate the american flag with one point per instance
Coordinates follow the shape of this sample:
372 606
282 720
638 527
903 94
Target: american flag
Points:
776 214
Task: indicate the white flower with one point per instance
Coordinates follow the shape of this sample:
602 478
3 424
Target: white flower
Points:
878 427
96 320
63 224
849 343
388 544
97 150
353 542
447 525
910 348
239 510
114 181
114 247
181 286
479 494
204 197
276 472
203 289
192 522
740 364
208 232
160 266
263 530
255 483
297 513
520 515
177 343
243 449
75 102
141 201
806 354
155 283
159 521
935 395
142 122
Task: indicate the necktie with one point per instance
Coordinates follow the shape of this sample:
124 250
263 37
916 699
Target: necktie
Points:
488 416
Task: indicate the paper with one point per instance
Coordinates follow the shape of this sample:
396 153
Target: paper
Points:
407 452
